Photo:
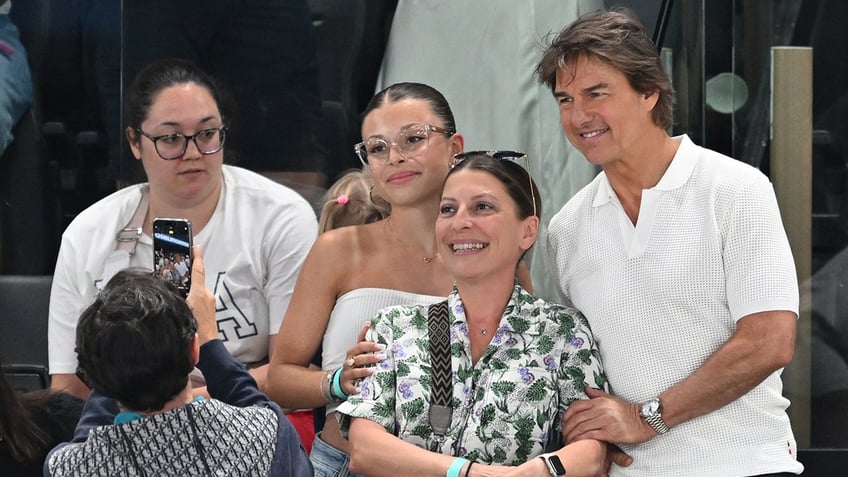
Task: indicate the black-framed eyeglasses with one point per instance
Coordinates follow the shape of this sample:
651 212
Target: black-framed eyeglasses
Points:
513 156
411 141
173 146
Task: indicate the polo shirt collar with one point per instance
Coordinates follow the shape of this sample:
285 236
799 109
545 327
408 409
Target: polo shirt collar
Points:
675 176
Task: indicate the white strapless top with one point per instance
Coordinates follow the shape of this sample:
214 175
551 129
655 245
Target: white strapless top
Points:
351 312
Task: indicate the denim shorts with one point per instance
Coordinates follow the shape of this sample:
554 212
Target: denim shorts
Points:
329 461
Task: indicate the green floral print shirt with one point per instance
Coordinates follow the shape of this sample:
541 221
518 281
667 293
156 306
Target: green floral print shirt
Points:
508 407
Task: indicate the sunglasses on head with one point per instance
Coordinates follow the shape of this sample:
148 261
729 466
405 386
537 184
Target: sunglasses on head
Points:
513 156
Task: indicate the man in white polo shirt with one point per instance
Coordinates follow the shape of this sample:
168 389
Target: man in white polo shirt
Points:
677 256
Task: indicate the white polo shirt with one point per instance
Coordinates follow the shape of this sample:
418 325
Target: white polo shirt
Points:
708 249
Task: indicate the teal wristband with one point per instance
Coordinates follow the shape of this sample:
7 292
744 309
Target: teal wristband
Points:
455 467
337 385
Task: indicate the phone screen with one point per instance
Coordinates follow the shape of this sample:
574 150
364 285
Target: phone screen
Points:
172 258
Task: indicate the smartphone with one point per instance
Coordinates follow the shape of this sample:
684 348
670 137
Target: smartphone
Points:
172 241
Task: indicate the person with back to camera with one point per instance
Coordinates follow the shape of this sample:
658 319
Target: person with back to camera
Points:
255 232
511 362
678 258
351 201
137 344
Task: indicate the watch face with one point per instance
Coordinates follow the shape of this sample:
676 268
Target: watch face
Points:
650 408
555 464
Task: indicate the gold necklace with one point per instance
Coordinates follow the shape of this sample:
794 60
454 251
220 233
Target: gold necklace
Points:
405 245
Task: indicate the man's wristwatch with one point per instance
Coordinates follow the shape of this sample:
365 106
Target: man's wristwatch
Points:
651 412
555 466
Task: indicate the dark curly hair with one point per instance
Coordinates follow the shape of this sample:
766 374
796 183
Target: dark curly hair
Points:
133 342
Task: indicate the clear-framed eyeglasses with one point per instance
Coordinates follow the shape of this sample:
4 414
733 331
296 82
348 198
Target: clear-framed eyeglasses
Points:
512 156
411 141
173 146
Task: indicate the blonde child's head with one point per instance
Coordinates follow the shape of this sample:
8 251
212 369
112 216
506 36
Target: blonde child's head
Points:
352 201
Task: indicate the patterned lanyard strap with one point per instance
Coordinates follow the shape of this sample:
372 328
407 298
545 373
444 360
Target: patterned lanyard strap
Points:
441 392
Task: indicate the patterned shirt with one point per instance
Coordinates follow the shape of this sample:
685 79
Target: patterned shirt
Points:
196 439
508 407
243 435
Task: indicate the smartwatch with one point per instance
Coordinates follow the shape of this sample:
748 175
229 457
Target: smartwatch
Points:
555 466
651 412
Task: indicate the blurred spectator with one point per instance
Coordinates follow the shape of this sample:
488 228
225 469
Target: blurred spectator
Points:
31 424
15 81
351 200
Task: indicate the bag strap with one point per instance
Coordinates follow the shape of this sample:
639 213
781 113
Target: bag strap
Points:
441 391
128 236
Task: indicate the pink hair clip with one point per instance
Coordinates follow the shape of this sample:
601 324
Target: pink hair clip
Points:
342 199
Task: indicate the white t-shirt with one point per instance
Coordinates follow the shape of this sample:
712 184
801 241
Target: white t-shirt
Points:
708 249
253 248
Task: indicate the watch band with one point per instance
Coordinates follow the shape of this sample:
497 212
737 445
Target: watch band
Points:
554 464
657 423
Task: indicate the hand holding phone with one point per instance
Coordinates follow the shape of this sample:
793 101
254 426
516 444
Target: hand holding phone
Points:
172 252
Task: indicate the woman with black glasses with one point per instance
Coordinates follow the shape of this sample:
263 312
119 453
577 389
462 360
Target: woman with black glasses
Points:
254 232
478 383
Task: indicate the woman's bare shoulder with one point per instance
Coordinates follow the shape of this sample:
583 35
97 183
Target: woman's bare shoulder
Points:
349 245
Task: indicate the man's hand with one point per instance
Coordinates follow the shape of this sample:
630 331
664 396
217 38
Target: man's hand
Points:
616 456
202 301
606 418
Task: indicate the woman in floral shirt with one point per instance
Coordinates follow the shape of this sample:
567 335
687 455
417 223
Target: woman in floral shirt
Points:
517 361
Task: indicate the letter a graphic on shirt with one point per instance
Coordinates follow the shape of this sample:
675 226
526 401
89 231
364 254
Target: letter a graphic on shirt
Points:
232 322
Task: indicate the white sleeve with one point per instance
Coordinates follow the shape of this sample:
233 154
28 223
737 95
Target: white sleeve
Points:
288 240
66 304
758 260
